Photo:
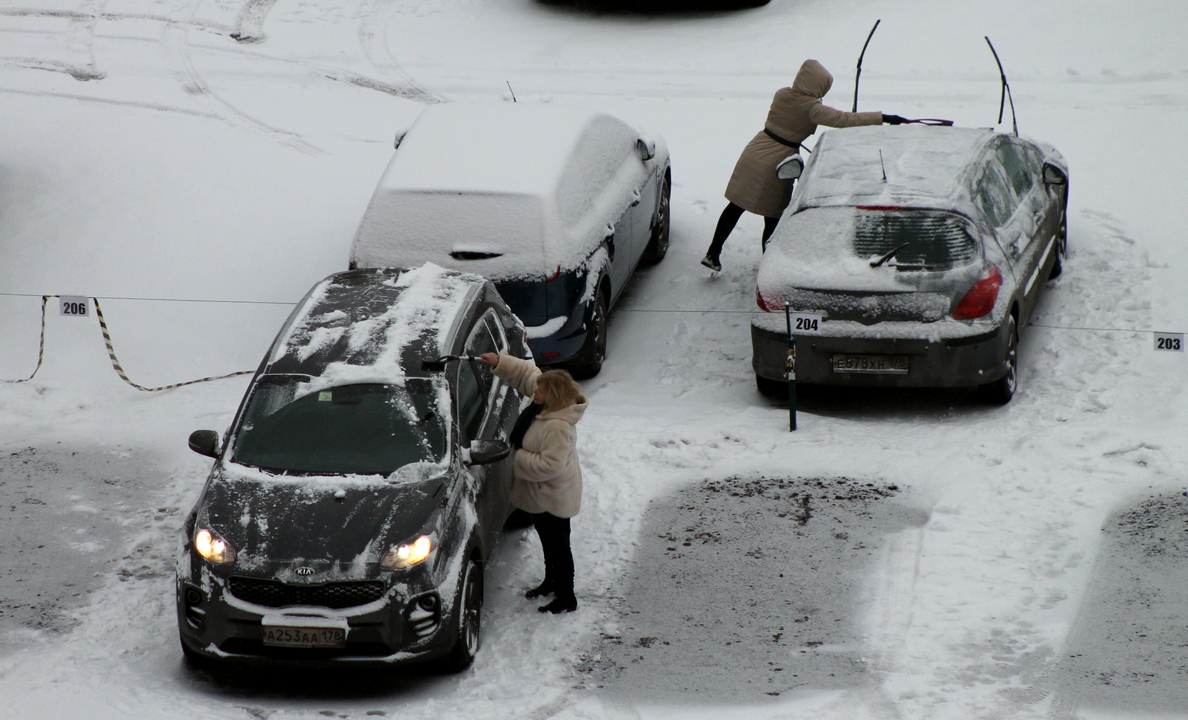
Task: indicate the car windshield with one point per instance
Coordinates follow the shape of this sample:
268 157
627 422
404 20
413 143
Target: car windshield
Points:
913 239
366 429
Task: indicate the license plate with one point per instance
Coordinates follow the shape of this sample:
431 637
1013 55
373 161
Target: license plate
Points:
304 637
875 364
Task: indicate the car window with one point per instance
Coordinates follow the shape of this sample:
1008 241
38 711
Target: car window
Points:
920 239
994 195
364 429
476 381
1021 167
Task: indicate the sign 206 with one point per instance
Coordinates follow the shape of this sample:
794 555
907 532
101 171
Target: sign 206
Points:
75 305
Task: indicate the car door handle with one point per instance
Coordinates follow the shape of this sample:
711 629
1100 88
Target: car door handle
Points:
637 198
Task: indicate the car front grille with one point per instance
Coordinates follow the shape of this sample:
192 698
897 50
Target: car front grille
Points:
273 593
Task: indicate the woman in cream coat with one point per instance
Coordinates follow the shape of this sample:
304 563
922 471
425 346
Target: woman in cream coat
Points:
548 478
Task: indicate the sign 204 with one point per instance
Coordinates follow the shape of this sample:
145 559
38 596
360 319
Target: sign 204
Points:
805 323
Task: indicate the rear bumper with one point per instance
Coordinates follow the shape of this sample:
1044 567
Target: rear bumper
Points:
564 344
964 361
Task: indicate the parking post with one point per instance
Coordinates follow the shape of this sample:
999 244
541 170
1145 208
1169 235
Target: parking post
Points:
790 369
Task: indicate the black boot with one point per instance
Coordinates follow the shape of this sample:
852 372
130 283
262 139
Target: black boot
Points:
560 605
545 588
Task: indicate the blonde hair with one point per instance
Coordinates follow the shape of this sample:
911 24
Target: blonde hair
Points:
560 390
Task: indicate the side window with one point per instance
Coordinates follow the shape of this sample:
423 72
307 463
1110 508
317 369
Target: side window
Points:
476 382
1020 166
995 196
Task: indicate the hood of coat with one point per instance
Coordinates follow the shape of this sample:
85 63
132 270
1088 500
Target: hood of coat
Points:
571 414
812 79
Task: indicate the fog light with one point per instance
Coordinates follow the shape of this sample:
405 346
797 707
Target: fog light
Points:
423 615
193 597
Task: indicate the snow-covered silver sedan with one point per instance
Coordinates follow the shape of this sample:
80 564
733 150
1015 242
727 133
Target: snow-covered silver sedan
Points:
911 256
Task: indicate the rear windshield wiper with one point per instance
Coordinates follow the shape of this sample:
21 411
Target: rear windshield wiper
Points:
889 255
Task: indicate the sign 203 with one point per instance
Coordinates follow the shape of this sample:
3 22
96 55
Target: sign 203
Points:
1169 341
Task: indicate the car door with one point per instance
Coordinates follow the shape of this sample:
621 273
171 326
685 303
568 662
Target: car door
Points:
995 196
483 403
1035 221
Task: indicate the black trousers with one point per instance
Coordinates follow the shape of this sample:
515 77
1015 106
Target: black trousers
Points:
558 558
726 223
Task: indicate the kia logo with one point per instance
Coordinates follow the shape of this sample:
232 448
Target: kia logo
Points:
305 571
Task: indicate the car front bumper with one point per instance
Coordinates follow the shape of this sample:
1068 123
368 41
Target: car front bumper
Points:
964 359
391 630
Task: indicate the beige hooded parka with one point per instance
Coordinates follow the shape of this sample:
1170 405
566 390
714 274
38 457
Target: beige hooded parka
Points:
548 477
794 115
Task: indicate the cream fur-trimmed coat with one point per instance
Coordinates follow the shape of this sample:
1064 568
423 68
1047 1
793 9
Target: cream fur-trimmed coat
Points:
548 477
794 115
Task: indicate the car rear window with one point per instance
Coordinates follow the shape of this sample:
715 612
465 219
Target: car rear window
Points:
915 239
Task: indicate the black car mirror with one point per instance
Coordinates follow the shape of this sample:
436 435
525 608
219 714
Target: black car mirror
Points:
205 442
1053 175
790 168
485 452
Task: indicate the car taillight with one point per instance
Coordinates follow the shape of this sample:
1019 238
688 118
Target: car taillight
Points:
980 299
767 304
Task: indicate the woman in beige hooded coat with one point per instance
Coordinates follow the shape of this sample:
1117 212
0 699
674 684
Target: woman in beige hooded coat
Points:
548 479
794 115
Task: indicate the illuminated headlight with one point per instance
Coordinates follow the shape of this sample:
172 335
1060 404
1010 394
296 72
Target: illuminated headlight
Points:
402 556
212 547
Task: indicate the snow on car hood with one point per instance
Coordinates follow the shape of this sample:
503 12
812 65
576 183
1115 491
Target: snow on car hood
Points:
500 189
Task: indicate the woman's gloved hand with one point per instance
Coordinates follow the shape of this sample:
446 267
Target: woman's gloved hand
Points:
894 120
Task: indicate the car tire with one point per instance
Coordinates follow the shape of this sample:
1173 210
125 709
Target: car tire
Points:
1061 246
588 362
467 619
1002 390
658 244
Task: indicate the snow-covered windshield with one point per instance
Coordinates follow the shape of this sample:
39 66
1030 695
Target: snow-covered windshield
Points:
913 239
361 429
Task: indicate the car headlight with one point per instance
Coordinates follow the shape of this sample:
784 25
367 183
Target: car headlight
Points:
403 556
213 548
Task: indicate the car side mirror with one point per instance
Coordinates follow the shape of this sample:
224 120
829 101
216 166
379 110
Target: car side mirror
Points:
646 148
790 168
205 442
485 452
1054 176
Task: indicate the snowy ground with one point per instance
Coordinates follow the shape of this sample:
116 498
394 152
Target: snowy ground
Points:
198 185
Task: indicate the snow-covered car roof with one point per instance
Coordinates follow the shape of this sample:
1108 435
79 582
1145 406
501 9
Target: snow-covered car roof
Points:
522 187
371 325
925 166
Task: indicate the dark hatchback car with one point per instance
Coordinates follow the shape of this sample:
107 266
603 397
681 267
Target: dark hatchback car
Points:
363 484
911 256
557 205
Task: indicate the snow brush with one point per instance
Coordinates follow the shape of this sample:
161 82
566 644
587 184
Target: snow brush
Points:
929 121
439 364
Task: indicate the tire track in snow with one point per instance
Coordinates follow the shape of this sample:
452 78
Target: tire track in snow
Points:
175 44
374 41
250 25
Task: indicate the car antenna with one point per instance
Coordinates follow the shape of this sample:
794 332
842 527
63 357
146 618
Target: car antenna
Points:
884 167
860 56
509 87
1006 90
